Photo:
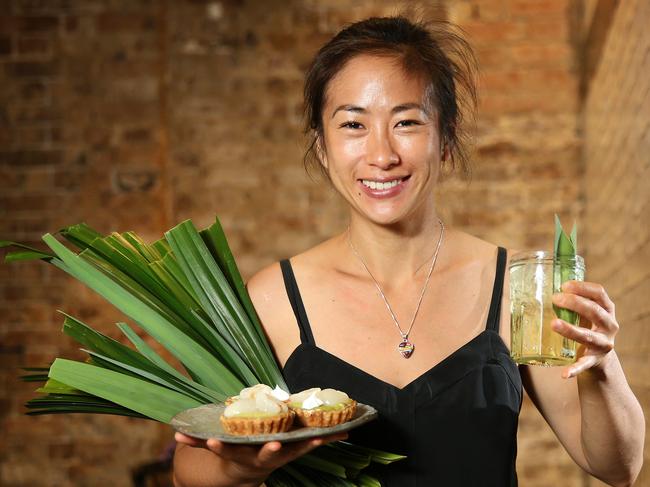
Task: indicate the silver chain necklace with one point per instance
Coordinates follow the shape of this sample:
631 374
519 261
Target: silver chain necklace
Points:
406 348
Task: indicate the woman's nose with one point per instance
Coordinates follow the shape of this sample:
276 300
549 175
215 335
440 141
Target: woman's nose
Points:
380 150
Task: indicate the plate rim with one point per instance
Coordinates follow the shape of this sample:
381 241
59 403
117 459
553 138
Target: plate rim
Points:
366 416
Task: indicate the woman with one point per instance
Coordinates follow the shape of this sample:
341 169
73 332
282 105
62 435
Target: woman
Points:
411 316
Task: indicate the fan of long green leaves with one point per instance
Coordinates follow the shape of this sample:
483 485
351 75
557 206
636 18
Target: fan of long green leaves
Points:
186 292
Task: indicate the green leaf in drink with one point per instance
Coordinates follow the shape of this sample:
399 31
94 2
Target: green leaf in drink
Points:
565 251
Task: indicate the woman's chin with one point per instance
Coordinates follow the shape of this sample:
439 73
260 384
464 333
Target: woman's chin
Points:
385 218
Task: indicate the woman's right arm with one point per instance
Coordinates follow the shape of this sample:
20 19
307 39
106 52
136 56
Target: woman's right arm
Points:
212 463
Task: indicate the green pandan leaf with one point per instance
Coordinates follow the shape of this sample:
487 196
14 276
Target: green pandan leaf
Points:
565 246
565 252
186 293
138 395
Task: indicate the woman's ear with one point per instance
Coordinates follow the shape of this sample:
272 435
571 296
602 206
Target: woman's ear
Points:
445 168
321 153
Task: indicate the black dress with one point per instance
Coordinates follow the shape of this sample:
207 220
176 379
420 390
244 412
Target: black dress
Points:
457 422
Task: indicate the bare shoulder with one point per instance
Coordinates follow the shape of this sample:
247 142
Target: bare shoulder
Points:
269 296
263 286
483 252
470 248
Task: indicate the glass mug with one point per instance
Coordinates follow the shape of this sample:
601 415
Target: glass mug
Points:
534 277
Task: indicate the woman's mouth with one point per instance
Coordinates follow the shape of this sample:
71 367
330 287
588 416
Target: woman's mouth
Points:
386 188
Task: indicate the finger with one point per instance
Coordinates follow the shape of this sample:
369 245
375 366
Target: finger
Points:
293 450
590 290
269 452
290 451
588 309
584 363
189 440
590 338
232 452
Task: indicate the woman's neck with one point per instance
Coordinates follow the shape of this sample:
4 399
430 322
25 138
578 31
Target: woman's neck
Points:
395 253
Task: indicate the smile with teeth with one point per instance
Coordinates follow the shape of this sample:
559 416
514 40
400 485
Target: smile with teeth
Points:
382 185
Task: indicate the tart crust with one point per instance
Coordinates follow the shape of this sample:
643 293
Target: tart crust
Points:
319 418
240 425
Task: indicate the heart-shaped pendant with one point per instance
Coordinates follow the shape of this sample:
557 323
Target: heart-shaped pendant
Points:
406 348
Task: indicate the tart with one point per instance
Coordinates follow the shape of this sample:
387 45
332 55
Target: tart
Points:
255 411
321 408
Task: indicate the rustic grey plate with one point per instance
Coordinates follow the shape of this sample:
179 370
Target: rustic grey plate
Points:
203 422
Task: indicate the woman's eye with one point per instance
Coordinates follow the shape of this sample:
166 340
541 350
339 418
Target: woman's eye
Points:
351 125
408 123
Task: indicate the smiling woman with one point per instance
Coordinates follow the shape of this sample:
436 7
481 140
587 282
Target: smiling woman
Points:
382 152
405 314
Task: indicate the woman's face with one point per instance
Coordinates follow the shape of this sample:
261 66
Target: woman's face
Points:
382 148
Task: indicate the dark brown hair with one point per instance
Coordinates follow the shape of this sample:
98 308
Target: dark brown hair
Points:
434 50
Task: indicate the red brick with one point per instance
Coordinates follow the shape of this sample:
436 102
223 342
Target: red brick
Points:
33 136
541 29
38 113
31 157
37 24
7 23
5 46
493 32
71 23
137 135
29 202
527 81
535 8
32 69
26 224
35 46
116 22
557 55
26 178
34 90
28 312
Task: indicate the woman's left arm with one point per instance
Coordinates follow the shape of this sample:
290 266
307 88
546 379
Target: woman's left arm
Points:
596 416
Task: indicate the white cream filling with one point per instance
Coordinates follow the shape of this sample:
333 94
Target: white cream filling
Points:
280 394
299 397
312 402
251 392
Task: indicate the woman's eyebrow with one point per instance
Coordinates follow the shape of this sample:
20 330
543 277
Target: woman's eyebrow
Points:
396 109
349 108
407 106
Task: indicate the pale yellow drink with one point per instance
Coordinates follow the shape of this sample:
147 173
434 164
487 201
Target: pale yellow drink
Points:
533 279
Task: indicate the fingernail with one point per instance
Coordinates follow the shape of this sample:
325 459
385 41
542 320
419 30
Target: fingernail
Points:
556 325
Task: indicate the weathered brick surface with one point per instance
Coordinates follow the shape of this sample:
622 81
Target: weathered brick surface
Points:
138 114
617 190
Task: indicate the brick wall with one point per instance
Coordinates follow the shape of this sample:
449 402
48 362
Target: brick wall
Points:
138 114
82 133
617 190
527 163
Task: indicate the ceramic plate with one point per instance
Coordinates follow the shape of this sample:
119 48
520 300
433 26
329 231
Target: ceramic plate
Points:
203 422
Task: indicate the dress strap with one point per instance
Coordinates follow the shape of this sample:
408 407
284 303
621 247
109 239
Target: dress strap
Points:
494 314
293 294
